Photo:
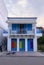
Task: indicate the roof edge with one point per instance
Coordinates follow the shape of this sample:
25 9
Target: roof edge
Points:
22 17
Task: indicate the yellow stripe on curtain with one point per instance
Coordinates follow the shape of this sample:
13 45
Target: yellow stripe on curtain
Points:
20 44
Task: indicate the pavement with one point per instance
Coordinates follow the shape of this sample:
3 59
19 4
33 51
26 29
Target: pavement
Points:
21 54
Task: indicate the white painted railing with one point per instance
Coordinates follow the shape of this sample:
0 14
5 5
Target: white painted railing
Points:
24 32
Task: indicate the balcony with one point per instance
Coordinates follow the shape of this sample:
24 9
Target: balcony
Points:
22 32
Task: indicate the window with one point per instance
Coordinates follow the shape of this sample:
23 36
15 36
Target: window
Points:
29 27
13 26
16 27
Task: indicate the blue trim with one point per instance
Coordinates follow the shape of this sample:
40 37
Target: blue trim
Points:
22 49
14 49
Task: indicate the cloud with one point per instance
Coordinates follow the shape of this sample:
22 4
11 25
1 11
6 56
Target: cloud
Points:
20 8
26 8
3 24
40 21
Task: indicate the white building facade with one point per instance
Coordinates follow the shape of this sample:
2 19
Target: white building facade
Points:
22 35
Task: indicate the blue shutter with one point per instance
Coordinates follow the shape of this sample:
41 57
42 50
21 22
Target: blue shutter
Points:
18 27
29 27
13 26
25 28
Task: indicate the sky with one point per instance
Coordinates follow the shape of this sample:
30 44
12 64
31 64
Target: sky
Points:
27 8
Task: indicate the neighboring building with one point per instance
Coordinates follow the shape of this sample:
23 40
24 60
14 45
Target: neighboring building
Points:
22 34
3 19
43 31
39 31
1 35
4 40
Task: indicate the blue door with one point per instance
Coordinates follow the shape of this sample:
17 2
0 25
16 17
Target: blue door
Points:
14 44
30 44
22 44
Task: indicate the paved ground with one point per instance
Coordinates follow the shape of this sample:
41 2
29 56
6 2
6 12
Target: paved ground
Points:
21 60
28 54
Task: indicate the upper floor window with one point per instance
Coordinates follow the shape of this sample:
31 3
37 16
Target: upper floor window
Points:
15 27
19 27
28 27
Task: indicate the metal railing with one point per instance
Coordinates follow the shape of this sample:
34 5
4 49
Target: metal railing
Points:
22 32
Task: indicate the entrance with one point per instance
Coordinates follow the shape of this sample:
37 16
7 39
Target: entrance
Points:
22 44
14 44
30 44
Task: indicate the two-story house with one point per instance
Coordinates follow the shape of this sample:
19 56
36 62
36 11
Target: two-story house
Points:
22 34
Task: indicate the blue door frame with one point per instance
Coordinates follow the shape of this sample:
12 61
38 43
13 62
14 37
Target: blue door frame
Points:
30 44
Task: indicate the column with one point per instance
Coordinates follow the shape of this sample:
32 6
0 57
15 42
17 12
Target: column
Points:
9 44
25 44
17 44
35 44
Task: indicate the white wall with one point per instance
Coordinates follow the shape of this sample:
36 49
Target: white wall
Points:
35 44
9 44
22 20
